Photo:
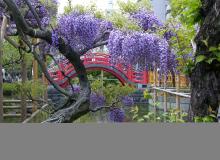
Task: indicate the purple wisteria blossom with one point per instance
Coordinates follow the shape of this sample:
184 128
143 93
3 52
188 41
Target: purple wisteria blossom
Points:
81 30
116 115
140 48
146 20
97 100
127 101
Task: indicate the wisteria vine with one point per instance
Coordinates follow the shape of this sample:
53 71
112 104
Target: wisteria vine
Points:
131 48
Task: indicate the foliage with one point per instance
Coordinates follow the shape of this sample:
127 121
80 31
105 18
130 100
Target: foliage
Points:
180 38
214 56
147 94
123 22
188 11
91 8
31 88
175 116
11 54
9 89
185 14
130 6
115 96
111 92
206 119
172 116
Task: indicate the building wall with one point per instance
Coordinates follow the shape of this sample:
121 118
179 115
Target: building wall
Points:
160 8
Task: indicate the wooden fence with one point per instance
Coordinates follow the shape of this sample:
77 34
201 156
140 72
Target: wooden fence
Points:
13 111
12 108
181 88
172 92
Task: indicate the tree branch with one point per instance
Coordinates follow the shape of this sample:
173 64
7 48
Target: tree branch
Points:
22 24
113 105
43 67
62 71
81 106
47 75
98 44
34 13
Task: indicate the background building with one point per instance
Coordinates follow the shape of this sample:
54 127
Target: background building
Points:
161 9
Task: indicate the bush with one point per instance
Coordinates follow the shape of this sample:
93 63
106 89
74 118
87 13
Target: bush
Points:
35 89
9 89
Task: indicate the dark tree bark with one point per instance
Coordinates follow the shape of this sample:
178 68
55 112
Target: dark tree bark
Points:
205 78
23 94
2 33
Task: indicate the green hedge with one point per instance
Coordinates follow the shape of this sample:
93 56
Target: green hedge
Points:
36 89
10 89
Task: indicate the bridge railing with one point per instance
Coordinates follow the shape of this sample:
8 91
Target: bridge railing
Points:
102 59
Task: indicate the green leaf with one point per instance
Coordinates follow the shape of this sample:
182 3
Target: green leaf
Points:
165 114
213 49
134 117
146 116
158 118
151 113
141 120
217 54
208 119
198 119
205 42
210 60
213 116
200 58
180 121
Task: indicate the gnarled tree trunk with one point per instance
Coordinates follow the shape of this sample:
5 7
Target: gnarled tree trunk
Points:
75 108
23 81
205 78
2 33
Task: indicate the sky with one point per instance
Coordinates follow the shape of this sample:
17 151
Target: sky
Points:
101 4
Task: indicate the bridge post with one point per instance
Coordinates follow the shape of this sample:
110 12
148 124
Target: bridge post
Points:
145 77
130 72
155 91
177 90
165 95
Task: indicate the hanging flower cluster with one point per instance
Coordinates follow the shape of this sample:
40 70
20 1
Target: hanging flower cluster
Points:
140 48
80 30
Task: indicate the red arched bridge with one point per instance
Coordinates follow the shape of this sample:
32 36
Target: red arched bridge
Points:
98 61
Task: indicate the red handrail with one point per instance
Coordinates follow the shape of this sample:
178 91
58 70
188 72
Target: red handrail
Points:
99 59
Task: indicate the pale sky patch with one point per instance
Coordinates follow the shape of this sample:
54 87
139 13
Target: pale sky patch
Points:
101 4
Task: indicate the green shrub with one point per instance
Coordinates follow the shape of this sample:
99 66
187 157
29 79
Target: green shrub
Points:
10 89
35 89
